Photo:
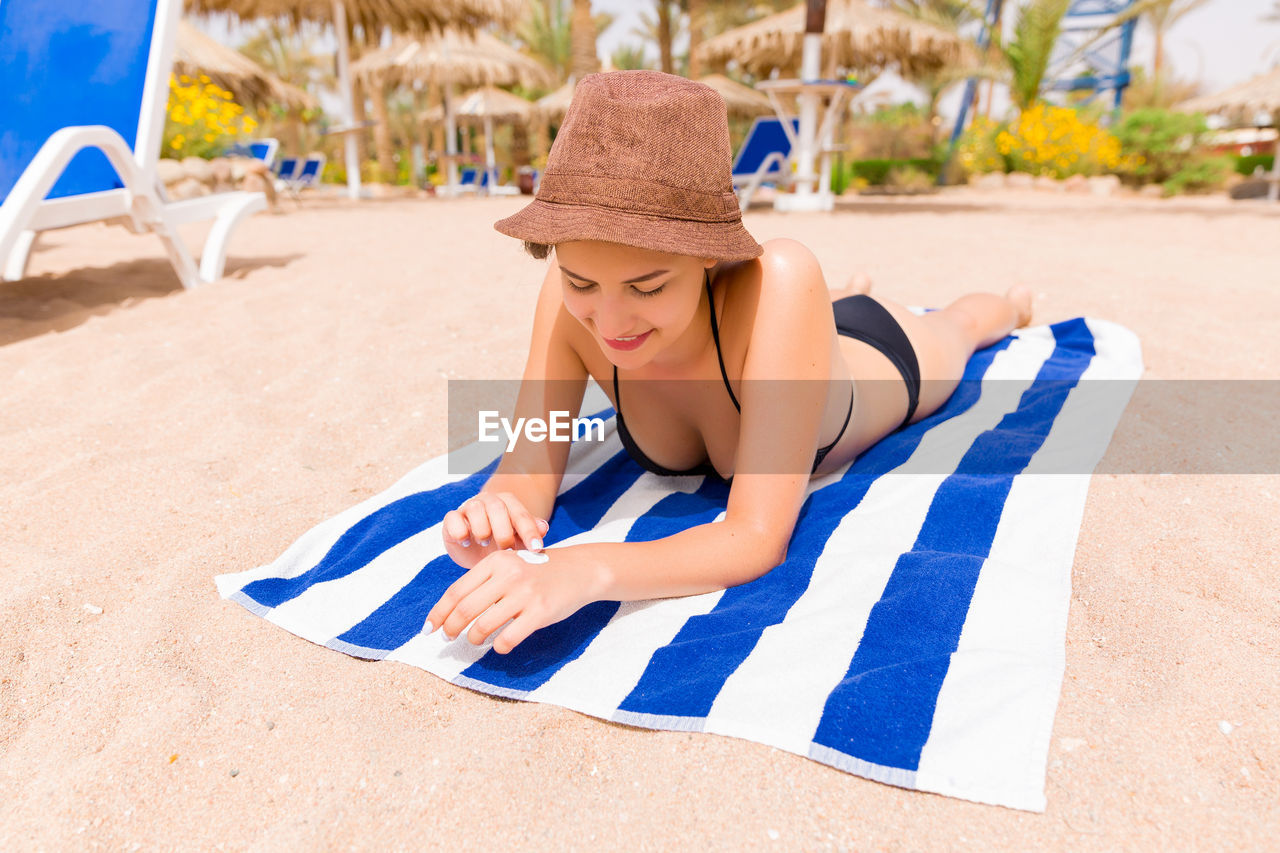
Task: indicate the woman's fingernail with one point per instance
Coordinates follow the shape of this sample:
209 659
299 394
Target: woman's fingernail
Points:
543 524
484 543
535 545
431 629
465 543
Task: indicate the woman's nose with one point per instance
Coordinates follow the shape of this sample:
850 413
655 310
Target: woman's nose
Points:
612 320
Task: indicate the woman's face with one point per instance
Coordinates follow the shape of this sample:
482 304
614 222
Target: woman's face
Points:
635 302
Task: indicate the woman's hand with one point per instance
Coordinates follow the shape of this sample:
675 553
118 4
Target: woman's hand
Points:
489 522
503 586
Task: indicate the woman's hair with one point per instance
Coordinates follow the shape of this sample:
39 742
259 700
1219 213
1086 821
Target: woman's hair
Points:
537 250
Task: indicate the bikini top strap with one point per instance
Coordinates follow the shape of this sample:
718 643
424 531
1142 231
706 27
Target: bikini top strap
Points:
715 333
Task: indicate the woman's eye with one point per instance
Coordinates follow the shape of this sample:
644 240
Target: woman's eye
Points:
578 288
653 292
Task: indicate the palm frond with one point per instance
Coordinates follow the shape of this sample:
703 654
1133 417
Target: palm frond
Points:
1029 51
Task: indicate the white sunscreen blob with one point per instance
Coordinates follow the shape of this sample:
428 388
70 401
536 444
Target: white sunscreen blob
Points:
531 557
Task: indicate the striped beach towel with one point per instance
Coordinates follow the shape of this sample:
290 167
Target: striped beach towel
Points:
914 635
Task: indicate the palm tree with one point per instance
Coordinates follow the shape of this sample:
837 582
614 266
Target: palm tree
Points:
382 142
290 55
1028 53
628 57
950 15
665 37
1163 14
545 34
704 18
582 35
697 10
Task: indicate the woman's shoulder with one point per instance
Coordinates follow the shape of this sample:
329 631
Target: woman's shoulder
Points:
774 301
783 268
786 273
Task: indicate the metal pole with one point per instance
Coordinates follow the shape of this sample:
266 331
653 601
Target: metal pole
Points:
490 161
450 136
1273 193
348 101
970 86
810 64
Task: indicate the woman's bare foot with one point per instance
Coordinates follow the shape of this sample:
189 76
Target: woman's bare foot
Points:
1020 297
858 283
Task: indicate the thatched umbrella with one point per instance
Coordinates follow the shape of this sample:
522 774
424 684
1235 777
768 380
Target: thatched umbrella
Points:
485 106
738 99
250 83
855 35
452 58
556 104
1243 102
372 16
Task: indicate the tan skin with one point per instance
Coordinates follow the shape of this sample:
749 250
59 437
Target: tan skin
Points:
775 321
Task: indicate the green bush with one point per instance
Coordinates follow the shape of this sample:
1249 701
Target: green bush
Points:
876 172
1157 144
1246 163
910 179
1201 175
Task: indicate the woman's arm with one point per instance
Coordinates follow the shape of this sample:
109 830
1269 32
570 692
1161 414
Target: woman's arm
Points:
554 381
523 489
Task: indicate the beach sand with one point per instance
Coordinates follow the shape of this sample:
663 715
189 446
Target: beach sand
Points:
155 437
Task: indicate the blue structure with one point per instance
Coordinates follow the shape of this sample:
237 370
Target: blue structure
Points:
1099 47
1091 54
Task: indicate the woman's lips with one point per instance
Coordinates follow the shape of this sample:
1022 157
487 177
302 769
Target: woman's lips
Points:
630 344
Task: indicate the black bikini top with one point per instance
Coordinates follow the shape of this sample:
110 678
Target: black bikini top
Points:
706 468
633 449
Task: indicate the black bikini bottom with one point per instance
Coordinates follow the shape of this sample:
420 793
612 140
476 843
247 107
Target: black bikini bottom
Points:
862 318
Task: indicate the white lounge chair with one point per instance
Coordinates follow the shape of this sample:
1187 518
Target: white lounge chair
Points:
84 80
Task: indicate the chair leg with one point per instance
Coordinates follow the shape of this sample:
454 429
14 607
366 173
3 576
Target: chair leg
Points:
15 266
213 258
150 212
744 198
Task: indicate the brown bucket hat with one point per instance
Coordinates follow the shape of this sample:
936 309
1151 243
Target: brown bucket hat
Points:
642 159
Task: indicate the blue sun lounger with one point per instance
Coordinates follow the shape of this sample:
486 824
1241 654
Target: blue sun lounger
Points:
286 168
762 157
83 89
258 149
299 178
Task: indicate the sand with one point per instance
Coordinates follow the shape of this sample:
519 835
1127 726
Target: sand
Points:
155 437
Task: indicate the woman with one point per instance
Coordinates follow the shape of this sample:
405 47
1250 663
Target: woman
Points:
658 293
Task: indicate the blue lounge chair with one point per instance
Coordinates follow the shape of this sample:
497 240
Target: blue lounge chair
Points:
83 88
495 188
763 157
265 150
257 149
307 176
287 168
468 180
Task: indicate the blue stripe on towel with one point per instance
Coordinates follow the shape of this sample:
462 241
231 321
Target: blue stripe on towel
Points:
882 711
403 615
370 536
684 677
532 663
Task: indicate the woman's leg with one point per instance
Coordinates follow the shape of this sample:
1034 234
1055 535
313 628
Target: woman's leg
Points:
944 340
